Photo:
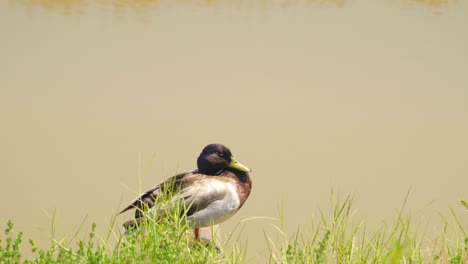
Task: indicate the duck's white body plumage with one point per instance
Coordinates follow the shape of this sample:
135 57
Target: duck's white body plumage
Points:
219 196
210 199
222 194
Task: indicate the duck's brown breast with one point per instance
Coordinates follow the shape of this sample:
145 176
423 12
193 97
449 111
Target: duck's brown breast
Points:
243 183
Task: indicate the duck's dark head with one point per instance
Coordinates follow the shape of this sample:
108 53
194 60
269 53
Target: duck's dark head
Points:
215 158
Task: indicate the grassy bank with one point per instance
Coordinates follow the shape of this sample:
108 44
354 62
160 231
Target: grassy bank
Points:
332 238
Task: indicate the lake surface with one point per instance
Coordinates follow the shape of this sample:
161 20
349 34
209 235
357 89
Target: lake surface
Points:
365 98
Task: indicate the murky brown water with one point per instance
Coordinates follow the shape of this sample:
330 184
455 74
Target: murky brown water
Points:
368 99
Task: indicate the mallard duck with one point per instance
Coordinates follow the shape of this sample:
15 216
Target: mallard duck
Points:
212 193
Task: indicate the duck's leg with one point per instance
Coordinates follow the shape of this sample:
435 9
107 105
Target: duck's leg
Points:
197 233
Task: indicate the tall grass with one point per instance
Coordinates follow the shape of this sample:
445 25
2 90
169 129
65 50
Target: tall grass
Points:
167 239
333 237
337 238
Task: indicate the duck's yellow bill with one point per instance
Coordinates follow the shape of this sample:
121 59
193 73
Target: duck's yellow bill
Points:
236 165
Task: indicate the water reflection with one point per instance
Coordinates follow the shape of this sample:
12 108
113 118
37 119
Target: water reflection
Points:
431 3
78 7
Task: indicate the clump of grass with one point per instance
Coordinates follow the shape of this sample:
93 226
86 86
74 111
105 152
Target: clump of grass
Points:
167 239
160 242
337 238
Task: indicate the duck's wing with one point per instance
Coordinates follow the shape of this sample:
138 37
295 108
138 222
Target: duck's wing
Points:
205 197
148 198
210 200
201 190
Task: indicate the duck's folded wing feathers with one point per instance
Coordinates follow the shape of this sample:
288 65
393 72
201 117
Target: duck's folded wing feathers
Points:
201 193
148 198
